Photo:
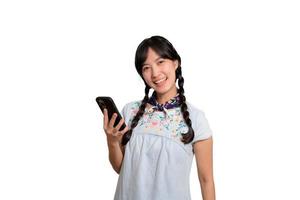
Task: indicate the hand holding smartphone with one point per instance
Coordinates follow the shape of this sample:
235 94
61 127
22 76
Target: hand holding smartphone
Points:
108 103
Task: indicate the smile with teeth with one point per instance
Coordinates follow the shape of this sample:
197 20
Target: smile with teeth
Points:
160 81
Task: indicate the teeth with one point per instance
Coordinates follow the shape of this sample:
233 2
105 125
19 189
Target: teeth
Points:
160 80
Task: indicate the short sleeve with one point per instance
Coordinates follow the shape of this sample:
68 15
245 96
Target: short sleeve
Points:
201 127
125 113
129 110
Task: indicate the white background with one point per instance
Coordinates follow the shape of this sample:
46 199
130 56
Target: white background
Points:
240 62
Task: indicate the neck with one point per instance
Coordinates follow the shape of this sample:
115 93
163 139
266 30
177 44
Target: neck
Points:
163 98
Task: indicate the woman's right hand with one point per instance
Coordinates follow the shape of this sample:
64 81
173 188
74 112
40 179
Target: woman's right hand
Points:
114 136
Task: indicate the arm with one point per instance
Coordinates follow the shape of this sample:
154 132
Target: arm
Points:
114 138
204 159
116 154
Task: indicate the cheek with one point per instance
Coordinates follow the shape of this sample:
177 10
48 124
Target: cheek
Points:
171 74
147 77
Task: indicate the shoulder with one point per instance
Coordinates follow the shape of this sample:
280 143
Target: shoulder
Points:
197 115
194 110
200 123
130 109
131 105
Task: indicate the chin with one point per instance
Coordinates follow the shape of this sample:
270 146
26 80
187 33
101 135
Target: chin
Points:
162 90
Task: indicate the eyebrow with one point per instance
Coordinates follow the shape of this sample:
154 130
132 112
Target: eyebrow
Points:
155 60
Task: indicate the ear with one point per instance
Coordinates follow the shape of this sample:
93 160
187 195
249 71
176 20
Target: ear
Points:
176 64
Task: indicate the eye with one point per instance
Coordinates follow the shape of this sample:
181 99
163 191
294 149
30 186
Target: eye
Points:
160 61
145 68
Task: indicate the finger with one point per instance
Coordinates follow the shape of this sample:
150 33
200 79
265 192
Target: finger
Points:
112 120
120 124
124 130
105 119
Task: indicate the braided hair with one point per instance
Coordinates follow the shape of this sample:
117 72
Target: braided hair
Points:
166 50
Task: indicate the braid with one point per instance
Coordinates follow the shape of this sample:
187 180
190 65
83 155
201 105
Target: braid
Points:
189 136
139 114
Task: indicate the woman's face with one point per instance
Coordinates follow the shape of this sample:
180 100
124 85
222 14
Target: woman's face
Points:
159 73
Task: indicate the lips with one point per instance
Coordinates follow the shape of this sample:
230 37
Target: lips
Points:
160 82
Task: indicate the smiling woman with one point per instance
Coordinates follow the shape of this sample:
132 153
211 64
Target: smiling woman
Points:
159 73
154 154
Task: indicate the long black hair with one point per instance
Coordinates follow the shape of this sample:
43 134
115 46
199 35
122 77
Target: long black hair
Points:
165 50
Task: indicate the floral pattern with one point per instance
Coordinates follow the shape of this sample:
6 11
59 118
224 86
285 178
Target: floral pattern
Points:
160 122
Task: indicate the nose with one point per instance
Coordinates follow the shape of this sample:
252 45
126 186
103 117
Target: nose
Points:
155 71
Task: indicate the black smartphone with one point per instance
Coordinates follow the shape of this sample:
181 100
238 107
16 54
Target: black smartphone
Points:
109 104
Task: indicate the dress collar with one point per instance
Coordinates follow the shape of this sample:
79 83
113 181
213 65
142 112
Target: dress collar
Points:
172 103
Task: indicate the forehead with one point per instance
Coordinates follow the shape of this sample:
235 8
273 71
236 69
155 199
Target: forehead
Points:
151 56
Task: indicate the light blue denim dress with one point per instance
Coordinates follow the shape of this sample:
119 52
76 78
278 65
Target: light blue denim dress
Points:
156 164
